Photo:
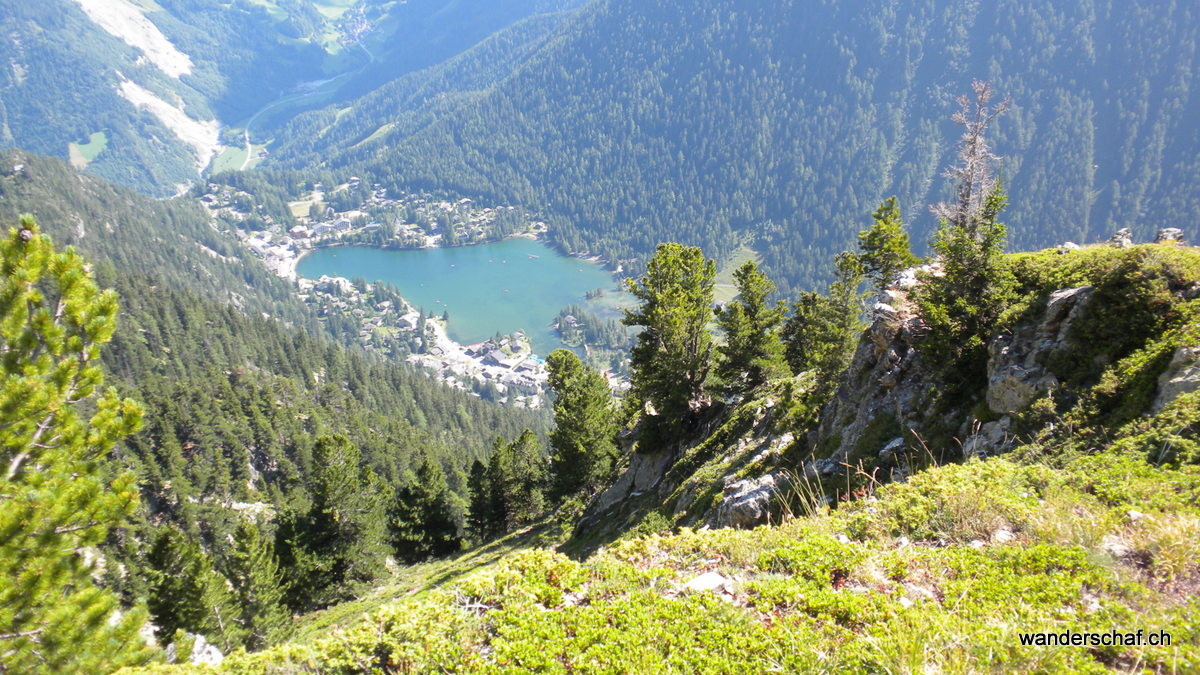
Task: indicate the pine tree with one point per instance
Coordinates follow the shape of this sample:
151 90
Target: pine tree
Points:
187 594
583 442
752 352
57 500
513 491
482 514
884 248
257 584
178 582
524 481
422 518
820 335
670 361
340 542
961 305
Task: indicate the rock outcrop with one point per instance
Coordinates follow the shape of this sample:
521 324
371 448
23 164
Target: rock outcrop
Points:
1169 235
882 395
749 502
1181 377
1016 371
1122 239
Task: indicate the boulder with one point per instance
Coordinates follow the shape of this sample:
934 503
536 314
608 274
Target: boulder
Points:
1182 376
710 582
203 652
1169 235
747 503
991 439
1122 239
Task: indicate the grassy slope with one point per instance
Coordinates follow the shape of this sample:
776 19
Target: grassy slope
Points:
923 577
1092 525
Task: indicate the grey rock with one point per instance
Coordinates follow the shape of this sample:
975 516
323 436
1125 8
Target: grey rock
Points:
1015 374
891 452
1062 307
1122 239
1169 235
821 468
203 652
644 471
1182 376
1068 246
1115 546
709 582
991 439
747 503
906 279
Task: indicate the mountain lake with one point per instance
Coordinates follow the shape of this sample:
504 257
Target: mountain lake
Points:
514 284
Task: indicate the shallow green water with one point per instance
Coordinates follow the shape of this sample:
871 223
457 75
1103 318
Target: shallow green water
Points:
515 284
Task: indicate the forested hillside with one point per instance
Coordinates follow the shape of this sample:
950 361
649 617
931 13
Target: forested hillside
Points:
143 92
781 123
240 384
140 89
997 472
432 31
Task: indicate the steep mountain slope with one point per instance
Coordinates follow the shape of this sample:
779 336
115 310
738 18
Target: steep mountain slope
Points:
429 32
779 123
138 91
238 377
873 555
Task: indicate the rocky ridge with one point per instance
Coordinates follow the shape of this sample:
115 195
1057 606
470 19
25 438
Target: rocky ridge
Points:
886 419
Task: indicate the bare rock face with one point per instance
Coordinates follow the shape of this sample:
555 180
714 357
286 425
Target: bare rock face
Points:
1122 239
748 502
1015 372
644 472
883 393
1181 377
1169 235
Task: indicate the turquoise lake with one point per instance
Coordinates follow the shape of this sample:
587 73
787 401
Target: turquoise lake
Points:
515 284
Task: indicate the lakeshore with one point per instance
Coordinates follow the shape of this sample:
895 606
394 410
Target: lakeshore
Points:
477 322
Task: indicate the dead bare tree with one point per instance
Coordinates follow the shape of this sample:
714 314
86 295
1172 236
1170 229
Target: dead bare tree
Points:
973 177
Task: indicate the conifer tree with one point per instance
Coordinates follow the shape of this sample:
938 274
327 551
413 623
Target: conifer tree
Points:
670 361
57 502
422 518
752 352
187 594
961 305
484 504
524 481
341 541
583 442
257 583
178 573
514 489
884 248
820 335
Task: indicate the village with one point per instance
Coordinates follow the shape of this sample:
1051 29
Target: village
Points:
503 369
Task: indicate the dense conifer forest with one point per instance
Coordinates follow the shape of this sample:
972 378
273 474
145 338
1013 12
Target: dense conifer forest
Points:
239 383
780 124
